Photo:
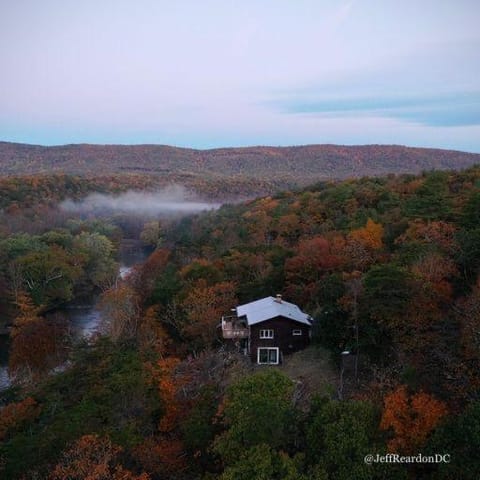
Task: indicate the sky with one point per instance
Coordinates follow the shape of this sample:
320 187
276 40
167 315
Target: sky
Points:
218 73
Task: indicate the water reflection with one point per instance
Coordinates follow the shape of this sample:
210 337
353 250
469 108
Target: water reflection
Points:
84 319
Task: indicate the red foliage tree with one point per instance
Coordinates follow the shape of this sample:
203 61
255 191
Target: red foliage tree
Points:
314 257
412 419
437 233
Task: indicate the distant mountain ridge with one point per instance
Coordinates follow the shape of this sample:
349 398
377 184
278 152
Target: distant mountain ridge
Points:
301 164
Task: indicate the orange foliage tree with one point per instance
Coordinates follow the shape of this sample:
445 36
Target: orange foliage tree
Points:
412 419
151 333
147 274
164 454
364 245
370 236
168 386
259 224
37 345
433 293
436 269
93 458
204 306
27 313
289 228
430 299
121 310
16 414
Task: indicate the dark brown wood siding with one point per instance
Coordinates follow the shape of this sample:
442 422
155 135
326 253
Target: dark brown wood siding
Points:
283 336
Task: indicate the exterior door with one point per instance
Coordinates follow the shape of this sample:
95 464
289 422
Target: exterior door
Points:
268 355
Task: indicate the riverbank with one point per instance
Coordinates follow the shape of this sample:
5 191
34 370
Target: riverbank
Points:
83 315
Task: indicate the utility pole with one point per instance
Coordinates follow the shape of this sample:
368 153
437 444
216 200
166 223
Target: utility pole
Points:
343 355
355 286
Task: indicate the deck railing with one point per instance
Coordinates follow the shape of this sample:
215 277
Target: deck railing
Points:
232 328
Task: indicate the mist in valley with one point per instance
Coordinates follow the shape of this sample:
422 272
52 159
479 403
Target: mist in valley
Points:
171 201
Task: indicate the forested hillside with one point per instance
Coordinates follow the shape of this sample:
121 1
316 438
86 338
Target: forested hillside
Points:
18 192
300 165
389 268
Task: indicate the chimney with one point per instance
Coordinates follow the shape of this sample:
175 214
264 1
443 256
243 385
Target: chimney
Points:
278 298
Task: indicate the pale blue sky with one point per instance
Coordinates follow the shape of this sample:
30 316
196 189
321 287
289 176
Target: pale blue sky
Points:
229 73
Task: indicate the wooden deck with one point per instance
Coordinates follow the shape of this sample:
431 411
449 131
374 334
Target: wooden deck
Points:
231 328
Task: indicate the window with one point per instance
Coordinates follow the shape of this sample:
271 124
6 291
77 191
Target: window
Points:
296 332
266 333
267 356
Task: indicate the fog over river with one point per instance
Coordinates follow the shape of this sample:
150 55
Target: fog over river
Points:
171 201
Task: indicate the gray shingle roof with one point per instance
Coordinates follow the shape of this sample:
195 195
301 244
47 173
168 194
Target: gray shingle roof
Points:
269 307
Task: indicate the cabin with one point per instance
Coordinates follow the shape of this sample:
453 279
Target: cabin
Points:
267 329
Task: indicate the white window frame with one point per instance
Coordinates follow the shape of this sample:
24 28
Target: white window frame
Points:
266 334
297 332
268 348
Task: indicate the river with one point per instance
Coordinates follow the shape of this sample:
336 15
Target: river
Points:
84 318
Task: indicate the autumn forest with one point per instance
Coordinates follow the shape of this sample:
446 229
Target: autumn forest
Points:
388 267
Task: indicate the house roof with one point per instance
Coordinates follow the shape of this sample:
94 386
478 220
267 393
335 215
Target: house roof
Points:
269 307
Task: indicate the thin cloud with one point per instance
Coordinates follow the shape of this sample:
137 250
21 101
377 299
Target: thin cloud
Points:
450 109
